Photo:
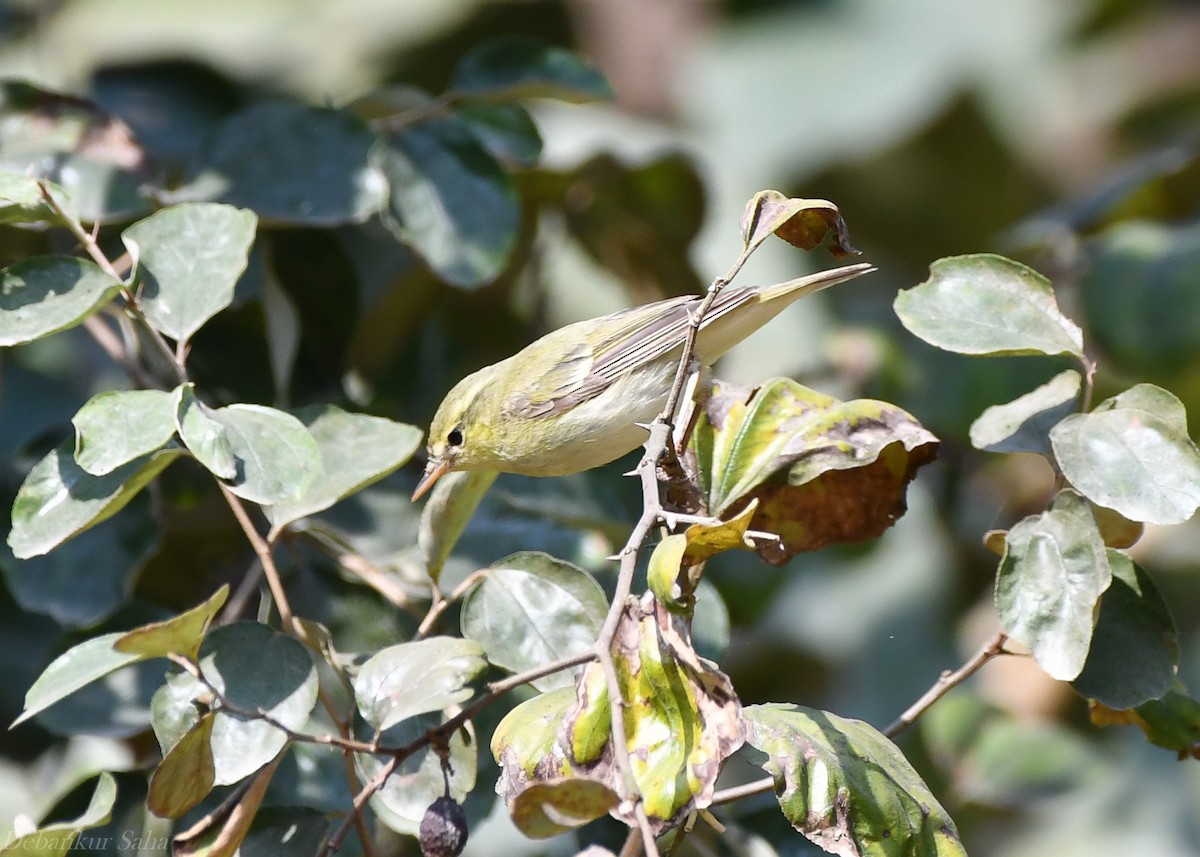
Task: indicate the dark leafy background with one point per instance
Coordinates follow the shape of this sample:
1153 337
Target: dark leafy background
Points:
1059 133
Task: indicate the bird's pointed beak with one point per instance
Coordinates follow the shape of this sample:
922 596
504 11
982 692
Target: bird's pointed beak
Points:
434 470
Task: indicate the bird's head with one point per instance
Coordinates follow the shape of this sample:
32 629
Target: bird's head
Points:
459 436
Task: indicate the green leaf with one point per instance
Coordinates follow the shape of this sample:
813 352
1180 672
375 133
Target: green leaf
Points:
408 679
531 609
1135 650
517 67
54 840
356 450
803 223
46 294
187 259
276 457
846 787
1133 454
506 130
450 201
59 499
225 832
88 578
203 434
77 666
527 735
1054 570
21 199
824 472
115 428
1024 424
179 635
1172 722
290 164
254 668
420 779
1138 293
549 808
449 508
186 774
986 304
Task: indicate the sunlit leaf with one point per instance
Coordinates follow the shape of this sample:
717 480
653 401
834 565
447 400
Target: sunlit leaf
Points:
531 609
187 259
525 740
1024 424
56 839
78 666
59 499
114 428
549 808
46 294
803 223
355 450
823 471
986 304
182 634
203 434
1133 454
1134 651
1054 571
518 67
21 199
846 787
408 679
663 571
277 459
449 200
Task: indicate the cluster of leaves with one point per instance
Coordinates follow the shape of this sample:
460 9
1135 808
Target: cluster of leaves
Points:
1065 589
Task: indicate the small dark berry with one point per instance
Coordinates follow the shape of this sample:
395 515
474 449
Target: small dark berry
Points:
443 829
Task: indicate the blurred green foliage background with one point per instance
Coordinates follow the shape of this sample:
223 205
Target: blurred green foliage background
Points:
1061 132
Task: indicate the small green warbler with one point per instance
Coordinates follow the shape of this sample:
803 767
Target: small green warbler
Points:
571 401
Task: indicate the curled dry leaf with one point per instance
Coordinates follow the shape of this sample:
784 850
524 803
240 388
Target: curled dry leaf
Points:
803 223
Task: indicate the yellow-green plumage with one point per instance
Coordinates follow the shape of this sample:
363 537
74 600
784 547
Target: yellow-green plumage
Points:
570 401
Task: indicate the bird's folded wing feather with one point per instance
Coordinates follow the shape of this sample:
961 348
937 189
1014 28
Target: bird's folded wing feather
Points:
558 380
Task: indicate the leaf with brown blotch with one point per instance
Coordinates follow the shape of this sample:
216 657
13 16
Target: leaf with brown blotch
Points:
803 223
823 471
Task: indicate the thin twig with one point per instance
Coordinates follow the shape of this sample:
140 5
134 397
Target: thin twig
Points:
440 602
262 550
946 682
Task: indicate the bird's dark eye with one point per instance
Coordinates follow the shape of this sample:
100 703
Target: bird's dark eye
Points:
455 438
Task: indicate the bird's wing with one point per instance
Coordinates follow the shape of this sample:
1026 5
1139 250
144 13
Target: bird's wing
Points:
560 379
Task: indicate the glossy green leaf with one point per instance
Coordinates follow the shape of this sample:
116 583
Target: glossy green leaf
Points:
1139 295
450 201
507 131
1024 424
824 472
408 679
56 839
356 450
1133 454
115 706
186 774
46 294
846 787
1054 570
986 304
526 737
549 808
179 635
254 668
114 428
1172 722
1135 650
290 163
21 199
203 434
803 223
86 579
59 499
187 259
276 457
531 609
663 571
518 67
420 779
453 501
76 667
